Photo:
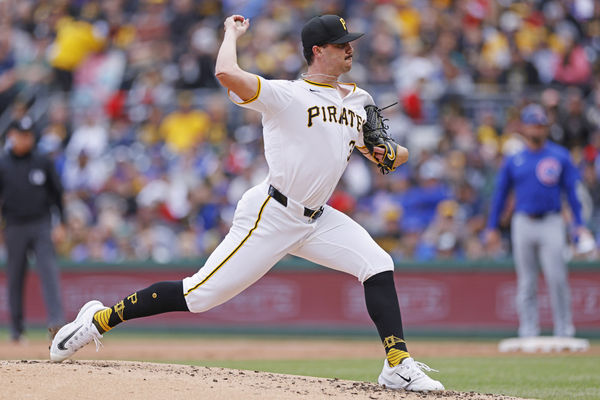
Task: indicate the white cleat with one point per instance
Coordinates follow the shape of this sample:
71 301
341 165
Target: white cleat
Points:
77 334
409 376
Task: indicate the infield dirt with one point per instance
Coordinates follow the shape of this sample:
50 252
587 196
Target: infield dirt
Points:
25 372
34 379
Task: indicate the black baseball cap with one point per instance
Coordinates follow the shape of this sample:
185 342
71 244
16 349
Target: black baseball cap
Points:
24 124
325 29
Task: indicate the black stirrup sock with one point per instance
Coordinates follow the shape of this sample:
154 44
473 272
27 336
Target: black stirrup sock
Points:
158 298
384 310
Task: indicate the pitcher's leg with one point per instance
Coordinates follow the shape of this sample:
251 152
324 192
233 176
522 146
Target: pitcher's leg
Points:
158 298
526 265
239 260
162 297
254 243
250 249
342 244
555 270
383 307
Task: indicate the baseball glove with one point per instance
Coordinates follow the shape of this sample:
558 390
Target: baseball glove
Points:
375 135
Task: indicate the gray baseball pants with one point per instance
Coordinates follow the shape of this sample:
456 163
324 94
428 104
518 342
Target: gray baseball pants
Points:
541 242
21 239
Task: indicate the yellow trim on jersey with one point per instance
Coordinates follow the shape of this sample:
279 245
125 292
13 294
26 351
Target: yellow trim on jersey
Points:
234 250
250 100
351 83
318 84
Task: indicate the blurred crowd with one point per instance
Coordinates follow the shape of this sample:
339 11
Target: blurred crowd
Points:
154 157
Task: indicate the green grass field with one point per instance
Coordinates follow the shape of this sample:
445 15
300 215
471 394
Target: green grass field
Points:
540 377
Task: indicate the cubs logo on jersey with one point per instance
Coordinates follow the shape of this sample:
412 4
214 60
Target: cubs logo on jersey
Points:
548 171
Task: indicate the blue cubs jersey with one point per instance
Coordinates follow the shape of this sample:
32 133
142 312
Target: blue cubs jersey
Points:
537 178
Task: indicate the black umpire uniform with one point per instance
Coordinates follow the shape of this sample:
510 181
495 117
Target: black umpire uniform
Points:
29 189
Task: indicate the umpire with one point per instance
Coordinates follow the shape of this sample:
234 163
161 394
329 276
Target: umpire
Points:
29 189
538 176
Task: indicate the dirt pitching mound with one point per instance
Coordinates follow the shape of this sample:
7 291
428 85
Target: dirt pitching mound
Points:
82 380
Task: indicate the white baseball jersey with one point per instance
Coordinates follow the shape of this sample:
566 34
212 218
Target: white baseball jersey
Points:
310 131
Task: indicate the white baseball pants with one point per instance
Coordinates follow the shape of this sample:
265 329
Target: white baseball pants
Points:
263 231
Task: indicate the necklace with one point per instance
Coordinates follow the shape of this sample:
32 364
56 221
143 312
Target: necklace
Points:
306 75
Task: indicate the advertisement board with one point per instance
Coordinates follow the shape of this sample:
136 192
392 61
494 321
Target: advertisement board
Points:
325 300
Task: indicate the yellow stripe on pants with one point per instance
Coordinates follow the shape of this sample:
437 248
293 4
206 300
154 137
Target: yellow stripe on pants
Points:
234 250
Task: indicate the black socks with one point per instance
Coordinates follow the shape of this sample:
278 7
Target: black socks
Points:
158 298
384 310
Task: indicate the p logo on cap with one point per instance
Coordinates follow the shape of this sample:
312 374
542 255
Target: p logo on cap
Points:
24 124
325 29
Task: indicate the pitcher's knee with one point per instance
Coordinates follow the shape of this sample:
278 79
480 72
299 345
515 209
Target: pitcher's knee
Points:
199 294
199 305
384 262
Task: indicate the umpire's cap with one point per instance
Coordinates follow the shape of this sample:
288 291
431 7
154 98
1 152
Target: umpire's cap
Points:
534 114
325 29
24 125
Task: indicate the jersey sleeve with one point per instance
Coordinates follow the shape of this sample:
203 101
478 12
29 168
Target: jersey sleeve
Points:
362 116
368 98
569 178
271 96
503 185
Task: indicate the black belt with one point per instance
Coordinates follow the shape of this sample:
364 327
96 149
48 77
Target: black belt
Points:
541 215
282 199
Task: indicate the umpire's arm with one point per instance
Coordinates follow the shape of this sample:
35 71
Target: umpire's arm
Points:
227 70
55 188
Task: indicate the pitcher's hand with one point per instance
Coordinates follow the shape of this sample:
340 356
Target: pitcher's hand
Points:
237 24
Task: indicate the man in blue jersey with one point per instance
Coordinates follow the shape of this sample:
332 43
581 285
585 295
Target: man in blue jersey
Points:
537 176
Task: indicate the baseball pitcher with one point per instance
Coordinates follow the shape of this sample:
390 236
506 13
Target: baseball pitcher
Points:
311 127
